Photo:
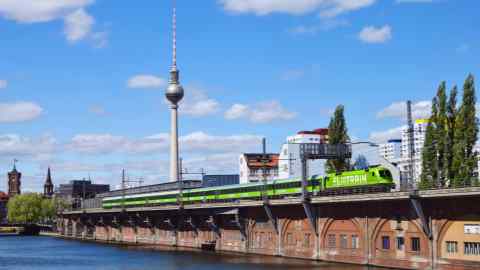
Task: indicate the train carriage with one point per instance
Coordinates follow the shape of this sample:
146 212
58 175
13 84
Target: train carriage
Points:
373 179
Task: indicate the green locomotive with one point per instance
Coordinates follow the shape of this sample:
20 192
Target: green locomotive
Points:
374 179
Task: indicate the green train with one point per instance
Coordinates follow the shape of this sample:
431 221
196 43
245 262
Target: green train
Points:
373 179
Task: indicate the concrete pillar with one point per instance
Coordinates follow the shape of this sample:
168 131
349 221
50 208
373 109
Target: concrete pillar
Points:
174 169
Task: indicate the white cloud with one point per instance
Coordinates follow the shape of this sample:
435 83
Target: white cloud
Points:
383 136
198 104
146 81
421 109
19 112
3 84
265 112
78 25
193 142
97 143
371 34
28 11
326 8
16 146
237 111
201 141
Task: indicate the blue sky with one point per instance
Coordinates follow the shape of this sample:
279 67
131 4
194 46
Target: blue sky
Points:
82 81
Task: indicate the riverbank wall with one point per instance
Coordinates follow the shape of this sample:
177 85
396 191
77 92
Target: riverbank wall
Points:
379 230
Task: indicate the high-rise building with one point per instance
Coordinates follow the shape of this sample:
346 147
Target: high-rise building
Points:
419 132
14 182
48 186
391 150
290 165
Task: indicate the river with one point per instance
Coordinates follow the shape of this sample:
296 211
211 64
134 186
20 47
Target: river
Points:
46 253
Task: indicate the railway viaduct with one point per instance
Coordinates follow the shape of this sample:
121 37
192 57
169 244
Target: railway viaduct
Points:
434 229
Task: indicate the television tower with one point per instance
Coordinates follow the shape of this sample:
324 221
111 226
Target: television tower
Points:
174 94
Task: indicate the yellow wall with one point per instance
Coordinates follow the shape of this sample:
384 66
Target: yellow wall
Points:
456 233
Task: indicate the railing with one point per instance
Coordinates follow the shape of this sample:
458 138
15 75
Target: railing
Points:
152 188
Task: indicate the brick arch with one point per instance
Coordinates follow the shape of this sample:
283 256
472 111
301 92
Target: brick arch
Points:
342 240
262 237
408 230
298 238
330 222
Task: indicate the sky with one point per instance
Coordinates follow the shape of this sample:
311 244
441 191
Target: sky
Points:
82 81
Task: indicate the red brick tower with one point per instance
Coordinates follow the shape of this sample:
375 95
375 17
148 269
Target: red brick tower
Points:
14 181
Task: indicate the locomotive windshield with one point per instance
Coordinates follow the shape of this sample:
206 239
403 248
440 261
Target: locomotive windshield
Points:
385 174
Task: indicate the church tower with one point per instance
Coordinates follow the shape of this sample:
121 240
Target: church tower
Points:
48 186
14 182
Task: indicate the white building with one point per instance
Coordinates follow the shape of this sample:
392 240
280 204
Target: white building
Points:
290 163
254 168
391 150
419 132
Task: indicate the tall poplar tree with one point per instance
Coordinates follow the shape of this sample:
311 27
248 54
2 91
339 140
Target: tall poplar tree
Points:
429 153
466 125
338 134
450 136
440 126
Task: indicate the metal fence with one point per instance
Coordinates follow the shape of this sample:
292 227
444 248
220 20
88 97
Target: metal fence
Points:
186 184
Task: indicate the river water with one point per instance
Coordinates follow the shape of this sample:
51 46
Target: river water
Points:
45 253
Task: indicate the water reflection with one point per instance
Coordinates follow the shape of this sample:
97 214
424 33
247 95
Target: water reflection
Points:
42 253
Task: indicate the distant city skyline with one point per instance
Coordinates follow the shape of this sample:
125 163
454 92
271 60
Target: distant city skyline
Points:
82 82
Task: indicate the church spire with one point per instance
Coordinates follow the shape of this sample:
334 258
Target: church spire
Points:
48 187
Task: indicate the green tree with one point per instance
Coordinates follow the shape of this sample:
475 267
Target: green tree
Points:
440 125
429 153
466 125
338 134
450 136
361 163
25 208
33 208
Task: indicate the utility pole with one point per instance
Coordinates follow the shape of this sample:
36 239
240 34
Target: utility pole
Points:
411 146
265 159
123 189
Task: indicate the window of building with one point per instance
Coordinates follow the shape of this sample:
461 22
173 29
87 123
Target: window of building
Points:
332 242
415 244
400 243
289 239
471 248
355 243
385 242
452 247
306 240
343 241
